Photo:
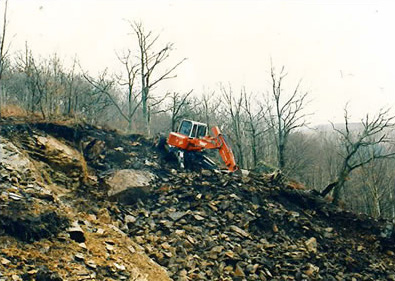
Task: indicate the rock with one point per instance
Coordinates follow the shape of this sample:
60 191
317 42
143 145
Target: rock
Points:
76 233
311 245
129 185
207 173
119 266
4 261
44 274
79 257
198 217
61 156
11 157
91 264
130 219
15 277
14 196
175 216
311 269
238 271
239 231
104 216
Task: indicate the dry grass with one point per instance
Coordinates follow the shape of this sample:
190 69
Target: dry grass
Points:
13 111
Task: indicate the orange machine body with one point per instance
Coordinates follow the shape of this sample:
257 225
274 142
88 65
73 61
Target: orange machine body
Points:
192 136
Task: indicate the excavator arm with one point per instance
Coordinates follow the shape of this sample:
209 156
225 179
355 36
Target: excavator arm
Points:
225 151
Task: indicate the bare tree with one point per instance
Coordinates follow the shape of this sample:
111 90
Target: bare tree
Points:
106 86
208 107
284 113
177 104
233 110
150 59
129 82
354 145
254 127
377 182
3 51
70 80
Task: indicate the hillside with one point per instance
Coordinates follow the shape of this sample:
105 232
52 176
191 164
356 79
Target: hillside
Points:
83 203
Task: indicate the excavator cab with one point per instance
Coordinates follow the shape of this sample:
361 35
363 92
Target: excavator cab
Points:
192 129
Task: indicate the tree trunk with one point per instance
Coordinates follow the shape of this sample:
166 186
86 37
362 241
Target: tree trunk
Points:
336 194
281 160
1 97
69 104
254 153
240 152
328 189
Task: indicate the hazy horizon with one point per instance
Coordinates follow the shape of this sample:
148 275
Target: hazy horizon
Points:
343 52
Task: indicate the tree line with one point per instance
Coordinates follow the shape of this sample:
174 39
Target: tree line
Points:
350 162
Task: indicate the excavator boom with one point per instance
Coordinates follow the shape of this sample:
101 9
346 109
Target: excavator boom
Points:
224 150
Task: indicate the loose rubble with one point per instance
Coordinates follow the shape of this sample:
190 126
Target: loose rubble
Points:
105 206
52 226
254 229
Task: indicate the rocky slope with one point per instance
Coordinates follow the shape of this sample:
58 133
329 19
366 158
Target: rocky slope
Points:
52 226
78 202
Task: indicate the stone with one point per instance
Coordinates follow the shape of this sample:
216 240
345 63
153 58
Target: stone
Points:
79 257
61 156
4 261
76 233
238 271
14 196
311 269
128 185
175 216
207 173
109 248
91 264
239 231
119 266
130 219
311 245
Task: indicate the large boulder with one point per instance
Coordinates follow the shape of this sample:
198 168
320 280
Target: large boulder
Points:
129 185
11 158
61 156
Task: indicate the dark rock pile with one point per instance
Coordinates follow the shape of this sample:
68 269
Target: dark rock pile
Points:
81 203
210 226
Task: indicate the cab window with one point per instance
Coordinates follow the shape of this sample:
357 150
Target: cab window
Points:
185 128
201 131
193 135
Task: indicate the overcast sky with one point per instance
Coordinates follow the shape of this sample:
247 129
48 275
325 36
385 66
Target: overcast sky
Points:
342 50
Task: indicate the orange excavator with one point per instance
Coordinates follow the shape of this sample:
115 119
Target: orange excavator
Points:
192 139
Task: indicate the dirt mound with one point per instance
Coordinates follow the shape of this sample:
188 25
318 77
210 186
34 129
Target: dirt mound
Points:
78 202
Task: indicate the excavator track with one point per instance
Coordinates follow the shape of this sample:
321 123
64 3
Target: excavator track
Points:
190 160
